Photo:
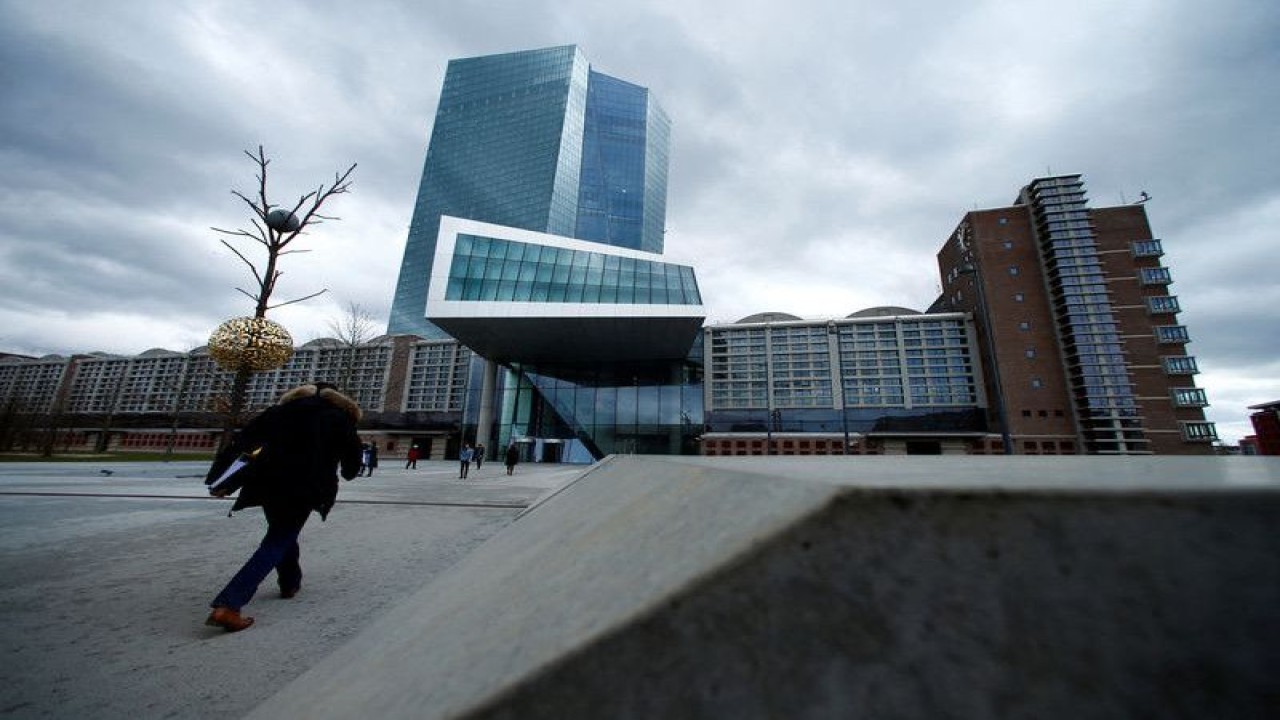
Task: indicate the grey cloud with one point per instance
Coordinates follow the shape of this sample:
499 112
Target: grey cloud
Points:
823 147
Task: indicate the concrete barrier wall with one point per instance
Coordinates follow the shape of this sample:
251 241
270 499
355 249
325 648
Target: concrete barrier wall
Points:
840 587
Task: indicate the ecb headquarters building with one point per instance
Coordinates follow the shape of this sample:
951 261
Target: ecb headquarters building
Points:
536 242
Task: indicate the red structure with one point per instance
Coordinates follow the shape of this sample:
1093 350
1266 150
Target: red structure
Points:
1266 426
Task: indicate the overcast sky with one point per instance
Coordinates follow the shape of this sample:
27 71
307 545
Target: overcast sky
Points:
822 149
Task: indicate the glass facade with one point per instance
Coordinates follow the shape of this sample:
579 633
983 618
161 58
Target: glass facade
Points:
438 377
580 413
1093 349
496 269
535 140
847 376
614 189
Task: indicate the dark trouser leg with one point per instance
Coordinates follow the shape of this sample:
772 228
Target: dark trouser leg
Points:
277 551
288 570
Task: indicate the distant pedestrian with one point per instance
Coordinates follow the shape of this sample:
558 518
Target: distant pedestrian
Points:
300 446
479 456
412 459
371 458
512 457
465 455
364 459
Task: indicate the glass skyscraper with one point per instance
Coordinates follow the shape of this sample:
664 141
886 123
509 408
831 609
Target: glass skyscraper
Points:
536 140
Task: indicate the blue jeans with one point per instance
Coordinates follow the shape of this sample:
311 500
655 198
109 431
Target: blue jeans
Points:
278 551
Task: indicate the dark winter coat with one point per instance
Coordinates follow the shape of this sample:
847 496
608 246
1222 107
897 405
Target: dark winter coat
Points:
307 438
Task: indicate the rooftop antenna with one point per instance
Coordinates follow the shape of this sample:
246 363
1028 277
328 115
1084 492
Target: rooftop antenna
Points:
1142 197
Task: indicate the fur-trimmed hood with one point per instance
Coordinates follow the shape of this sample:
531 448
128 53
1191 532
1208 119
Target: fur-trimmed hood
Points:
329 394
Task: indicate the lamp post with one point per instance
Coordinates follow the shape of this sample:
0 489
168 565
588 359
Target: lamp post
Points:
987 336
837 380
768 434
775 425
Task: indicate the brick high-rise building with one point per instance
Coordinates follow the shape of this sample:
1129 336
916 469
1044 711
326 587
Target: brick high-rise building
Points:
1077 329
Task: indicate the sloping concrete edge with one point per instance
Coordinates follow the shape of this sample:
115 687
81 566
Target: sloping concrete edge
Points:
604 550
706 588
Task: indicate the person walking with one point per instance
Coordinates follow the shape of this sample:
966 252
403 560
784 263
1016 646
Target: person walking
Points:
512 457
479 456
364 459
411 460
465 455
371 458
304 441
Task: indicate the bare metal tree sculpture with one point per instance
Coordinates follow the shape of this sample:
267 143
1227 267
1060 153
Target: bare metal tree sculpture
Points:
275 228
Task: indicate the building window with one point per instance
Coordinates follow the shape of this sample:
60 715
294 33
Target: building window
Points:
1147 248
1180 365
486 269
1013 270
1172 334
1155 276
1007 244
1189 397
1019 297
1003 221
1024 325
1030 352
1037 382
1199 431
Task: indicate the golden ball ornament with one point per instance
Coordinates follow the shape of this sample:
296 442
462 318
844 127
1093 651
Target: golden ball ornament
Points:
250 343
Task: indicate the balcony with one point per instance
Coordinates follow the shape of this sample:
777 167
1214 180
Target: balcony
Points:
1189 398
1172 334
1155 276
1163 304
1147 248
1179 365
1199 432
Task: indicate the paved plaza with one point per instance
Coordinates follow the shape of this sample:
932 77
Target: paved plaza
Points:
107 570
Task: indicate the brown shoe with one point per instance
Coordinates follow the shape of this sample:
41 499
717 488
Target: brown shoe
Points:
228 619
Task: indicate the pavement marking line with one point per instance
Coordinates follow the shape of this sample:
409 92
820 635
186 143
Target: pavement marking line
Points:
495 506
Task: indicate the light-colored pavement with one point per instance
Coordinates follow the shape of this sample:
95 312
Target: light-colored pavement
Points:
105 579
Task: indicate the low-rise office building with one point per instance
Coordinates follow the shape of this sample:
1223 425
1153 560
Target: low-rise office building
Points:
885 380
413 391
